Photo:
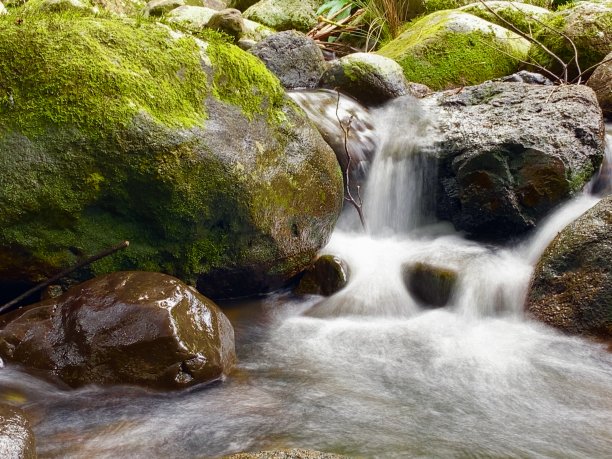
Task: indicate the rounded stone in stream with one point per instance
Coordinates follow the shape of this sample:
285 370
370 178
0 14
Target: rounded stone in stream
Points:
16 436
430 285
139 328
229 21
326 276
571 287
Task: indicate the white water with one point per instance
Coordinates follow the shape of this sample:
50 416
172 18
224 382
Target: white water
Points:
367 372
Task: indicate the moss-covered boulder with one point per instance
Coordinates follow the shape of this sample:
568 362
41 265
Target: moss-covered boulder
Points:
436 5
16 436
588 25
571 287
228 21
113 129
370 78
523 16
241 4
161 7
601 82
328 275
451 48
285 14
511 152
139 328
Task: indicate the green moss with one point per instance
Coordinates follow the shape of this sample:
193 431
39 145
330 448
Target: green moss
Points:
580 178
95 72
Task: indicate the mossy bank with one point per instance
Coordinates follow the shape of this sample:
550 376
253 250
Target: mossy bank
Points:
115 129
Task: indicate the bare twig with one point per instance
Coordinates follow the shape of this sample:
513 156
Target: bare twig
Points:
64 273
348 195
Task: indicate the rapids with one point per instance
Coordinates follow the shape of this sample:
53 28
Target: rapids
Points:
367 372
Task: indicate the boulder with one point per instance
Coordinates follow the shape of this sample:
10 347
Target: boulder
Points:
571 287
511 152
451 48
284 14
432 286
16 436
588 25
601 83
286 454
437 5
293 57
56 6
369 78
188 149
161 7
523 76
525 17
139 328
228 21
328 275
241 4
121 7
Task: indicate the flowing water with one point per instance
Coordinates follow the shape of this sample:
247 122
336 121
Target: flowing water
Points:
368 372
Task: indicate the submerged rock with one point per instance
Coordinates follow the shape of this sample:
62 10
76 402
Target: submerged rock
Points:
601 83
571 287
139 328
431 286
510 152
328 275
188 149
16 436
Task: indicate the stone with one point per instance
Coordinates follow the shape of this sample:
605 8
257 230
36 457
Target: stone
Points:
571 287
228 21
293 57
190 150
511 152
63 5
241 4
523 16
450 48
161 7
16 436
329 274
601 83
369 78
432 286
284 15
138 328
524 76
286 454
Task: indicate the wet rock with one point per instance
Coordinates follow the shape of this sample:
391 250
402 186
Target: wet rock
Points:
328 275
228 21
16 436
139 328
601 83
527 77
571 287
431 286
293 57
369 78
510 152
162 7
284 15
286 454
195 155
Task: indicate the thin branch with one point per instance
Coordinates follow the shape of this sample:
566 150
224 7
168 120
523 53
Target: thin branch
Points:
64 273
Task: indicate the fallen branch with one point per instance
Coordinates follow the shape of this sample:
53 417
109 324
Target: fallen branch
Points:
64 273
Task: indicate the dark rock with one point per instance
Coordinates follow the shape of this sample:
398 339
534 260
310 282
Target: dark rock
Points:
284 15
571 287
431 286
527 77
510 152
139 328
601 83
328 275
16 436
293 57
228 21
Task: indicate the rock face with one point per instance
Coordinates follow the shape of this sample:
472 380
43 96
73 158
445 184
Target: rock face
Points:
601 82
510 152
451 48
369 78
571 287
293 57
16 436
285 15
124 328
328 275
430 285
189 149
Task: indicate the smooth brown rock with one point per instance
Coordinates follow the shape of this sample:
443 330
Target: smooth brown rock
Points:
328 275
431 286
16 436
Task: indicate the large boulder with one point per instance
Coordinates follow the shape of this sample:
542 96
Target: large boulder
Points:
112 129
525 17
601 82
571 287
139 328
431 286
588 26
451 48
285 14
16 436
293 57
329 274
510 152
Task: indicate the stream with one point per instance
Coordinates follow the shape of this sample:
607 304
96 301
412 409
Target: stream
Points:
368 372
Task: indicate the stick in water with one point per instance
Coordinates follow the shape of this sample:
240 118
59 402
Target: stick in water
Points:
87 261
